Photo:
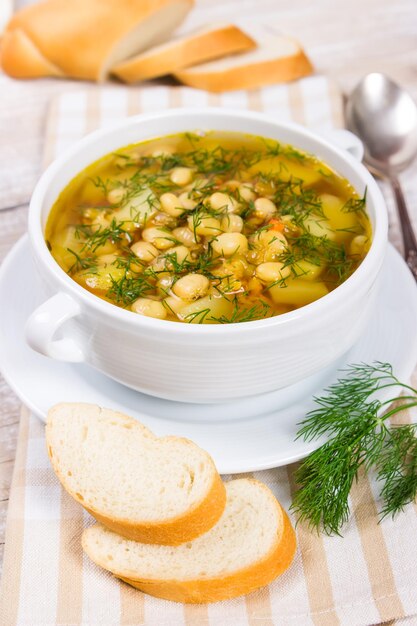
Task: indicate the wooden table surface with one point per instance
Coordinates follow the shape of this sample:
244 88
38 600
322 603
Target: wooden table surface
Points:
345 40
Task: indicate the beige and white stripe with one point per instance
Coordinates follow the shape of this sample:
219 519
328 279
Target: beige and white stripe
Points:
366 577
313 101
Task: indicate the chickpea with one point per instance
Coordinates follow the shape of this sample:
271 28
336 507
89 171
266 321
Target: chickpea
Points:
159 237
162 219
145 251
174 304
271 237
221 201
181 253
102 221
191 286
271 272
96 217
181 176
170 204
159 265
184 235
115 196
247 193
106 259
264 208
273 251
150 308
357 244
186 202
232 223
237 266
228 244
230 284
269 244
233 185
164 284
206 226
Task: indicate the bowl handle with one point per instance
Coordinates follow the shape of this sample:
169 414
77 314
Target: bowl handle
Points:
343 138
45 321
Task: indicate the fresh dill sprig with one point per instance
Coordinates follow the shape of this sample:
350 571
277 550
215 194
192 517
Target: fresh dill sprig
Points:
353 417
398 469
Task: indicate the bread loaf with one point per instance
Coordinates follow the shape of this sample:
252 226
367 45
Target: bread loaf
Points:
252 544
154 490
277 59
190 49
85 38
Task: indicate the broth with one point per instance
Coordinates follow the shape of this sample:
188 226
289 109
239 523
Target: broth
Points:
209 227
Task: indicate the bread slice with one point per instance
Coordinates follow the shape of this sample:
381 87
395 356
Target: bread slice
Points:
252 544
85 38
156 490
201 45
277 59
16 45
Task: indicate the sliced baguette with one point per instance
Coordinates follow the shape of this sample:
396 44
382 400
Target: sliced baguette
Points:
16 45
85 38
201 45
252 544
277 59
154 490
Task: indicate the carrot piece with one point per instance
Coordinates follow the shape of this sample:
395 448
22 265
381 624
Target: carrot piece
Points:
276 225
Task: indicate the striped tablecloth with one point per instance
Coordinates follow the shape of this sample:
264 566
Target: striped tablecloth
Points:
366 577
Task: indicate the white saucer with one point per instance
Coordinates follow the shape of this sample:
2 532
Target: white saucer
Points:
247 435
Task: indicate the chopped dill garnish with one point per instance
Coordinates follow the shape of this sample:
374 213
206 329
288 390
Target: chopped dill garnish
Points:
82 263
244 314
198 317
95 237
119 198
130 287
319 251
355 205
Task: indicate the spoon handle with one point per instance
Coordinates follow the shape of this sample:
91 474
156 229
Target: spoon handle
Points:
409 239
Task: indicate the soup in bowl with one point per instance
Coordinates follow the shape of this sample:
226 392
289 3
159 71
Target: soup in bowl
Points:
205 255
209 228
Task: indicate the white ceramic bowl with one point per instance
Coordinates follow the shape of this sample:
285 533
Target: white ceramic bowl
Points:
187 362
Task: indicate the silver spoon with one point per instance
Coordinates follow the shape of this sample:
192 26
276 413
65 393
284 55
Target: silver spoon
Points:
384 117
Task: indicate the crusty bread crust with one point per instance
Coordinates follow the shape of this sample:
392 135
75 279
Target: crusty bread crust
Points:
215 589
237 584
20 58
185 527
78 36
177 530
251 76
196 48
